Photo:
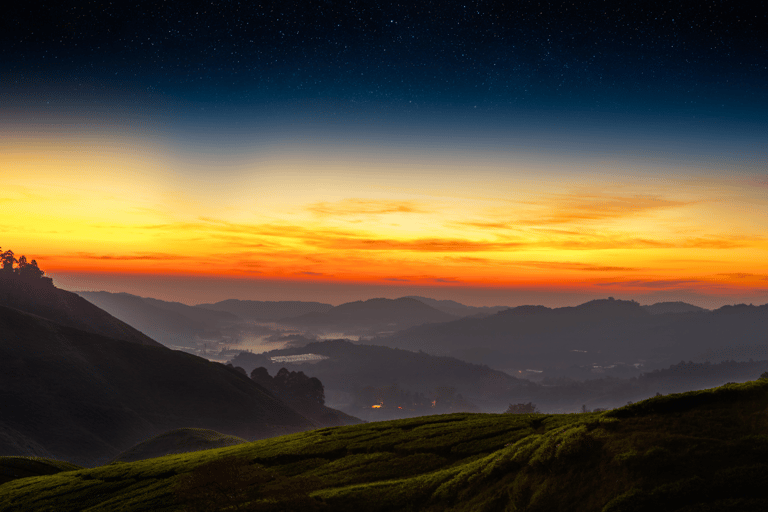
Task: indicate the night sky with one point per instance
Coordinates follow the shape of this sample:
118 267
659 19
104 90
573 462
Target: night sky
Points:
539 152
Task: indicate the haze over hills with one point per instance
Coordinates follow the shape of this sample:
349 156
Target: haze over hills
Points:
171 323
349 367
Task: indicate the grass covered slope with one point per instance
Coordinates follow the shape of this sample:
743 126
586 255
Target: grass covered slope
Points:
180 440
695 451
12 468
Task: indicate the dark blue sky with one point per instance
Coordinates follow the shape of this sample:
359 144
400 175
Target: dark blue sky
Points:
398 59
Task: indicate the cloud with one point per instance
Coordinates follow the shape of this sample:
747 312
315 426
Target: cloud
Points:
432 245
655 283
566 265
398 279
569 208
364 207
129 257
308 273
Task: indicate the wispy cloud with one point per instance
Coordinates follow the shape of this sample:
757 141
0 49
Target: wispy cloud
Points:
594 207
364 207
654 283
129 257
567 265
427 245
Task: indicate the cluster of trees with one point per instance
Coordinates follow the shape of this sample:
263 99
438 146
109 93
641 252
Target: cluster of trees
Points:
23 269
292 383
521 408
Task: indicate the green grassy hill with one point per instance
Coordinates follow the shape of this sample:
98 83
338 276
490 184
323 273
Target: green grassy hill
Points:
12 468
697 451
180 440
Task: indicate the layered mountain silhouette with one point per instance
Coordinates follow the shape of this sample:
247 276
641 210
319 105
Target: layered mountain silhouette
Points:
601 332
80 385
458 309
373 315
663 308
266 311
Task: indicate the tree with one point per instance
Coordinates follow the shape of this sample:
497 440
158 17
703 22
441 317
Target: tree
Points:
529 408
8 260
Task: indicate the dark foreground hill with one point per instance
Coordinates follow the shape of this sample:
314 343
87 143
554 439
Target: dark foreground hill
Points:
83 397
66 308
697 451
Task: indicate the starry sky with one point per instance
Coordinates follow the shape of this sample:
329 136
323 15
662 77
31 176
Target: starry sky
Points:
538 152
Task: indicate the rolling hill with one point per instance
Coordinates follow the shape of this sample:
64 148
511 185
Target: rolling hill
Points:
86 397
180 440
696 451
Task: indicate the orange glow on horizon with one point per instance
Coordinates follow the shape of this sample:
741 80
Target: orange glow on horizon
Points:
127 206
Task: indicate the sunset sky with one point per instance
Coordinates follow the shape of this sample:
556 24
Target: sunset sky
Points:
339 151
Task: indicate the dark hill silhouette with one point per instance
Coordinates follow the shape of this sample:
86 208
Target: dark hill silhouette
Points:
458 309
85 398
68 309
181 440
266 311
167 322
372 315
600 332
662 308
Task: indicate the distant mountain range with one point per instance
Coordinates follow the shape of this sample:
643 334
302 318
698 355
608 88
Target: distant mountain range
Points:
371 316
267 311
600 332
456 308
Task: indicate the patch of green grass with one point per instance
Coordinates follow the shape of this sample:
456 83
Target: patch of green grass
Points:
693 451
12 468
